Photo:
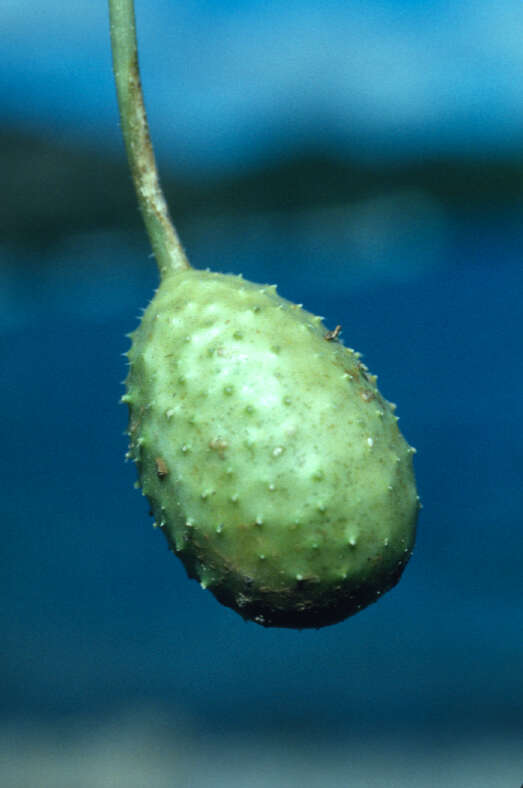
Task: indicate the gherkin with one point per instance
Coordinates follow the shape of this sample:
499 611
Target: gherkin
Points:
271 461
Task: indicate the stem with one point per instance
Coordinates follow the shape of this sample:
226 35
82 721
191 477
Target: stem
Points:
165 242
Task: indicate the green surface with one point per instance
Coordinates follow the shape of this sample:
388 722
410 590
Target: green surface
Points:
271 461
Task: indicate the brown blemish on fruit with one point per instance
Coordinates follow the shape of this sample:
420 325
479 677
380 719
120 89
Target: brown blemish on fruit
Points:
367 395
161 468
218 445
135 423
333 335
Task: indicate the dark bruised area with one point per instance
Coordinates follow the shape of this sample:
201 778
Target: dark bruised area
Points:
298 607
302 604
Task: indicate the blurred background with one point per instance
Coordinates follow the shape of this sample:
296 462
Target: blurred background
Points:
367 157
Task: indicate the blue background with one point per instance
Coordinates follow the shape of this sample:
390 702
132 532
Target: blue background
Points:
104 637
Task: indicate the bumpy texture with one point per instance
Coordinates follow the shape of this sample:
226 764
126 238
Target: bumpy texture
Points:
272 463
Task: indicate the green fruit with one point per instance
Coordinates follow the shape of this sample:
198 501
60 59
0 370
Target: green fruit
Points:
271 462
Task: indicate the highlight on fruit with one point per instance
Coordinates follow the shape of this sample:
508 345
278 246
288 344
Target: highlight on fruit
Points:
272 463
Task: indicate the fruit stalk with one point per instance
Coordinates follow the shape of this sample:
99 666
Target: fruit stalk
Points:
167 248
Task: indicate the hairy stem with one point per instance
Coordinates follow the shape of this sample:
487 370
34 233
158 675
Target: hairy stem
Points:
164 239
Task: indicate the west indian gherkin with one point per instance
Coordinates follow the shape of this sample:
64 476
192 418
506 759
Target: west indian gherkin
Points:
271 461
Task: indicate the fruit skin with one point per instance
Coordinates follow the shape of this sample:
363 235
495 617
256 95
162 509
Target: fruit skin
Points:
271 462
